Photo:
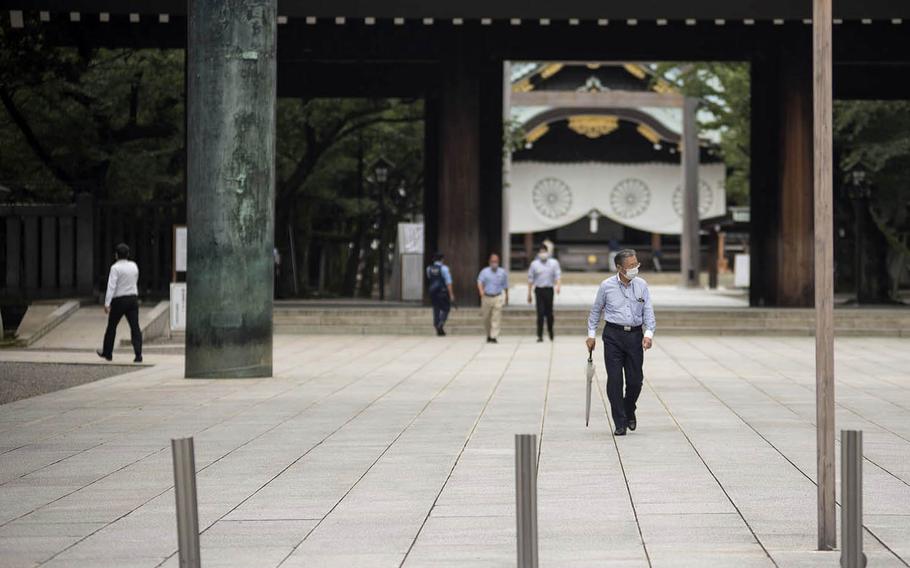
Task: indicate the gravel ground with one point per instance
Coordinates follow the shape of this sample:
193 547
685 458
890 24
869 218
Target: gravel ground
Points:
24 380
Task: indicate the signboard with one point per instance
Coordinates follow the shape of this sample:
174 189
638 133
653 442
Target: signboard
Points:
410 261
412 277
178 306
179 249
410 238
741 270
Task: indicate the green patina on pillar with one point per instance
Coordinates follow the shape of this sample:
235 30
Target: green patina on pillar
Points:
231 70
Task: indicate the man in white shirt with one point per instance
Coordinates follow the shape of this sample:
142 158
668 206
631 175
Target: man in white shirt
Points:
122 299
544 275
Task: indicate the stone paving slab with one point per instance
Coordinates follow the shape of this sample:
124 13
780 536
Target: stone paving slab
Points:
398 451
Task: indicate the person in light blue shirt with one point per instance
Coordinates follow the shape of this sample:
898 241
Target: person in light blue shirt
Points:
623 301
544 275
439 283
493 288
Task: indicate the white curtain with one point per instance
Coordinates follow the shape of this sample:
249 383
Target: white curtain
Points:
648 197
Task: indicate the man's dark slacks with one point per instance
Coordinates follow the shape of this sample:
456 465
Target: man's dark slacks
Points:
543 299
123 306
623 353
441 307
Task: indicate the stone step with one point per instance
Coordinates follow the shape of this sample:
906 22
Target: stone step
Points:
529 331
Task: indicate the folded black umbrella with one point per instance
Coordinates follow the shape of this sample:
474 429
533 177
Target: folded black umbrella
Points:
589 373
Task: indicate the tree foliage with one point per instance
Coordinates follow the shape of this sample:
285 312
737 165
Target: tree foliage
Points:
111 122
723 90
874 136
104 121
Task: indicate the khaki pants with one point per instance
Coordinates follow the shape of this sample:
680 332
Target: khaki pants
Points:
491 310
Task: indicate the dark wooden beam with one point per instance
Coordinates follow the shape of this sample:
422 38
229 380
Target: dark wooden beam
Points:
705 10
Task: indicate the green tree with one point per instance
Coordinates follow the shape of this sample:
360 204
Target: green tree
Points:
109 122
874 137
723 89
326 198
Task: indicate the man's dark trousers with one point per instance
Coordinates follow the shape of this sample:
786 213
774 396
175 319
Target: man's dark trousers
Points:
441 307
123 306
623 352
543 298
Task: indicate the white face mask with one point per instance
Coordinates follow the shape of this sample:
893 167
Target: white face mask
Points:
631 273
543 256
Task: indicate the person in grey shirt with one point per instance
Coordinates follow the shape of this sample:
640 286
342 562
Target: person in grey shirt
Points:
493 287
624 303
543 277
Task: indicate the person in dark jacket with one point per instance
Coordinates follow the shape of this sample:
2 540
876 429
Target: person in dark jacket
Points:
439 281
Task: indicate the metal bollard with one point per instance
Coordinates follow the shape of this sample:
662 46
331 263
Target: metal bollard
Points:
526 498
851 470
187 509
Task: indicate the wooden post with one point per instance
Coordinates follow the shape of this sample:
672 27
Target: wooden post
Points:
824 271
529 248
85 244
13 253
689 242
506 166
458 198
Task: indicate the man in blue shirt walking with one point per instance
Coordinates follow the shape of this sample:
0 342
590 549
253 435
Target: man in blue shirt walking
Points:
493 287
439 281
624 303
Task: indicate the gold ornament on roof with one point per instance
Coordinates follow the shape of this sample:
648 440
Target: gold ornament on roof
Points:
649 133
523 86
536 133
635 70
593 126
550 70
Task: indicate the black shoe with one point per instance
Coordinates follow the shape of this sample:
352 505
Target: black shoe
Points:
633 424
621 431
493 340
440 332
540 340
138 359
103 356
489 339
551 336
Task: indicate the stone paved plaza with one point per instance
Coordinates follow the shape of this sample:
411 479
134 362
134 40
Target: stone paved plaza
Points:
398 451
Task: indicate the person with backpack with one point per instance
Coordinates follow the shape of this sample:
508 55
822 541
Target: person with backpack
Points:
439 282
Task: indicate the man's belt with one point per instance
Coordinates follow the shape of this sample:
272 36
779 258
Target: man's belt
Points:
623 327
492 295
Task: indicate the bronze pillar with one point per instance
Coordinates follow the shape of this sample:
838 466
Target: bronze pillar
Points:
231 187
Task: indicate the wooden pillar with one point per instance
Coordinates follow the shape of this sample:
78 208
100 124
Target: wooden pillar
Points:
13 254
529 248
795 246
824 270
231 99
506 166
689 240
85 244
458 197
781 244
48 254
764 193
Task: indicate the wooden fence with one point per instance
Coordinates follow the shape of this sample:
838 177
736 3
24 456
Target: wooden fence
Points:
57 251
